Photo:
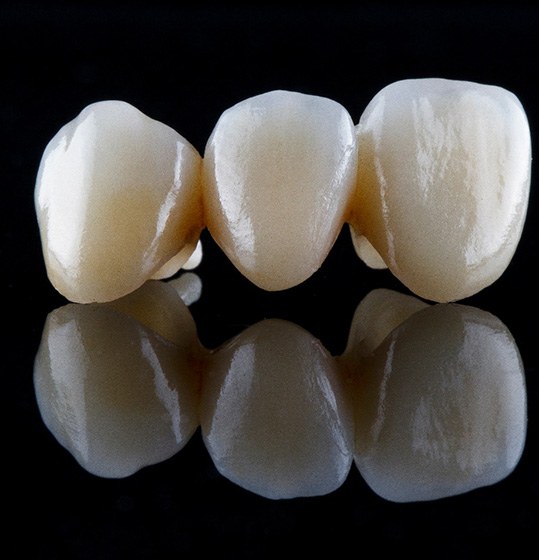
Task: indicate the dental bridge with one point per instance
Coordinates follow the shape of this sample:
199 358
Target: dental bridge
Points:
427 401
433 182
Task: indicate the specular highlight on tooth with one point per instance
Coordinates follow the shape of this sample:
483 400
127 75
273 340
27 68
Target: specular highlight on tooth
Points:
188 286
273 413
443 183
365 251
279 171
187 259
117 197
115 392
440 406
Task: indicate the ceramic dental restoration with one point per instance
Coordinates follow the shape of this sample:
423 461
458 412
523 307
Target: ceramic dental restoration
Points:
117 197
443 183
279 172
434 182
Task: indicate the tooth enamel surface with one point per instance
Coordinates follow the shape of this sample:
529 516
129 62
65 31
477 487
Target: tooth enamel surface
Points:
441 406
117 196
443 182
366 252
279 170
112 391
273 414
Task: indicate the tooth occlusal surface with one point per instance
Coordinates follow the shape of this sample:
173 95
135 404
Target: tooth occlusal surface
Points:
117 197
279 170
443 182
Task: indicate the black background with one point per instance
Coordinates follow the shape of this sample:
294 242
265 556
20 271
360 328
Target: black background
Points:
184 66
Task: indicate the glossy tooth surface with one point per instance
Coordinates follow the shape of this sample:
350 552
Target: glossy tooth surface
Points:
188 286
112 390
365 251
443 182
379 312
273 413
117 196
279 171
441 406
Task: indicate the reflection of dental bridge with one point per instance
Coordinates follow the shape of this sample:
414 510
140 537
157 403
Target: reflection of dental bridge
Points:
429 401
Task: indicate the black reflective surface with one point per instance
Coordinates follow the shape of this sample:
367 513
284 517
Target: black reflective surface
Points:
184 66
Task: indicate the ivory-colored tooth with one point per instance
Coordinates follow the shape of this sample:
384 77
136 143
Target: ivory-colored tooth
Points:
443 183
187 259
117 197
279 171
441 406
195 258
273 413
365 251
111 389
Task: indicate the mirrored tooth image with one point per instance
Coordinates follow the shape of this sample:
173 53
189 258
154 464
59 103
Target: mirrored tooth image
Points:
115 384
440 405
378 313
273 413
428 401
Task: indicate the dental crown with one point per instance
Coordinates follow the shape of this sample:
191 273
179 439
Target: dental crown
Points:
433 181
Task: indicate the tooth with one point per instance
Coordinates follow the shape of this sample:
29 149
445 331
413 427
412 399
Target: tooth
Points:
279 170
117 196
378 313
187 259
111 389
188 286
195 258
365 251
273 413
441 406
159 306
443 183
